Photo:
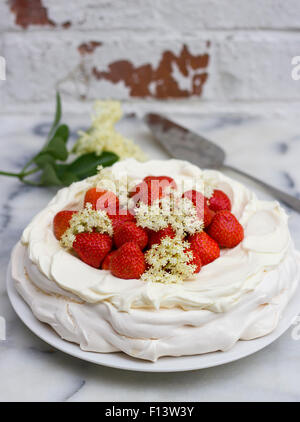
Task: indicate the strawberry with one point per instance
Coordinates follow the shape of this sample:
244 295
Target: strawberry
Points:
152 188
196 197
128 261
146 192
155 237
166 181
208 216
106 261
61 223
92 247
196 260
200 202
219 201
130 232
205 246
102 200
120 218
225 229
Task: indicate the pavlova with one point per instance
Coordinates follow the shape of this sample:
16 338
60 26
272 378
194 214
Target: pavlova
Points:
157 259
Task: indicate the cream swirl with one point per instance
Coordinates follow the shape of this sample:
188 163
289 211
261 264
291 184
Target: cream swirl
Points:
150 334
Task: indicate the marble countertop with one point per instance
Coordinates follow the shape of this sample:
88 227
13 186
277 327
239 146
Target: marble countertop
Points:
30 370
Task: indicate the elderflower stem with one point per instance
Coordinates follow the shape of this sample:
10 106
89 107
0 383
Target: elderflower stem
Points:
20 175
6 173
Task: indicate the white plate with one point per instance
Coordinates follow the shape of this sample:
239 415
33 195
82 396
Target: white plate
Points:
164 364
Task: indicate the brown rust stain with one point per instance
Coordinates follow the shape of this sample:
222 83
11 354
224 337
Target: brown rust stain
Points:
88 47
32 12
66 24
147 81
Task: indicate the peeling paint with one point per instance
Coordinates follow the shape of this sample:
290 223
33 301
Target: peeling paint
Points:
88 47
160 82
66 24
30 12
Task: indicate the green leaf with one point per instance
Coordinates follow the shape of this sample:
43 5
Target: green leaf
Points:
56 148
67 178
65 175
43 158
49 176
57 116
48 154
86 165
62 132
83 166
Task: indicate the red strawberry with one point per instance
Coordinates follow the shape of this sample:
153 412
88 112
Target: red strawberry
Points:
196 260
92 247
119 219
128 261
146 192
200 202
152 188
208 216
205 246
61 223
166 181
155 237
130 232
219 201
196 197
102 200
106 261
225 229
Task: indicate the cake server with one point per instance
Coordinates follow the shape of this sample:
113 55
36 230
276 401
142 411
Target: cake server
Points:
183 144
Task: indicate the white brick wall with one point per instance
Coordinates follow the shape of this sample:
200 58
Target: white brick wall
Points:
176 15
251 47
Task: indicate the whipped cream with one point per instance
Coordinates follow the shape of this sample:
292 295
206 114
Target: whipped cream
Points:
238 296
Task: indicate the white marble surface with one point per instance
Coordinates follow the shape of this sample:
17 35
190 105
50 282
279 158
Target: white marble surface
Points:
30 370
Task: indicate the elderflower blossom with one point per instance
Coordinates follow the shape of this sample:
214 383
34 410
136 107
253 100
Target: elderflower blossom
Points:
169 262
86 220
184 219
152 217
209 186
102 135
172 210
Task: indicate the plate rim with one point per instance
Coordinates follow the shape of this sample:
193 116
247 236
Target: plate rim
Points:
120 360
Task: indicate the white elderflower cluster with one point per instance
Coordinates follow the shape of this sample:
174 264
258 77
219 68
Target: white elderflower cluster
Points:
172 210
102 135
209 184
86 220
184 218
153 217
169 262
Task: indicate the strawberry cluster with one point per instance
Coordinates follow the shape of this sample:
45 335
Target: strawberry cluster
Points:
124 253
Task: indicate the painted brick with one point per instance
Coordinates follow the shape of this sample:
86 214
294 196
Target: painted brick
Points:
40 65
154 15
243 67
192 15
35 64
256 67
150 48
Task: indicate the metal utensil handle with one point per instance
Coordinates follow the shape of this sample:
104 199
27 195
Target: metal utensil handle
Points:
289 200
